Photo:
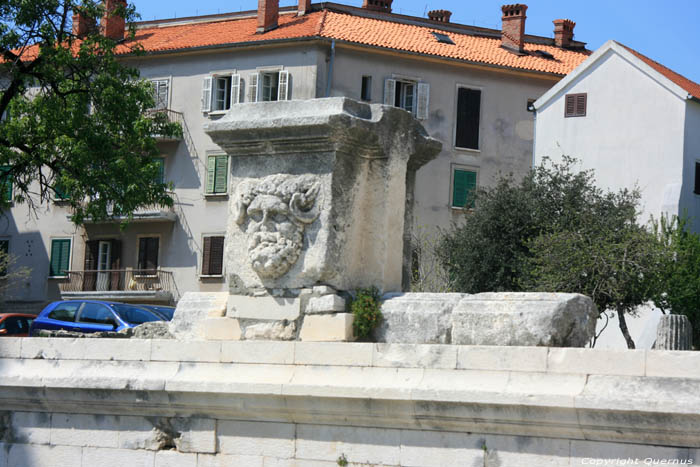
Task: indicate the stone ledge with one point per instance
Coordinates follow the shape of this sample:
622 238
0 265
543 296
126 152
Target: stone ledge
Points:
662 363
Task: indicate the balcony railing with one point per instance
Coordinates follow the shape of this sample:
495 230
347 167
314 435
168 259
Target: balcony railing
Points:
120 285
151 213
173 117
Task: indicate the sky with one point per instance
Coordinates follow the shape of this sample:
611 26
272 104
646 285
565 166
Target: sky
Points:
664 31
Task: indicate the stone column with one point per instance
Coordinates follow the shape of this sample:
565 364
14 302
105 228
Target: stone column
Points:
674 332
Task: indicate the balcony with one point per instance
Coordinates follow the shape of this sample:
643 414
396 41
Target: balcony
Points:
152 213
173 117
121 285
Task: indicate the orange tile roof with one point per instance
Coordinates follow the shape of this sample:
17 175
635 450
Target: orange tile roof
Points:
692 87
359 30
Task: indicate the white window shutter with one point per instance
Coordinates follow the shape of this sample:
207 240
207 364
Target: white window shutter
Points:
206 94
390 92
235 89
423 109
162 94
283 89
253 87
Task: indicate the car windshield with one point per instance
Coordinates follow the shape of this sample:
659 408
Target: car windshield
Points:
166 311
133 314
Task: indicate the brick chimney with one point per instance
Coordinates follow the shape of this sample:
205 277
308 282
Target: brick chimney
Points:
268 15
377 5
113 25
563 32
304 7
82 24
442 16
513 30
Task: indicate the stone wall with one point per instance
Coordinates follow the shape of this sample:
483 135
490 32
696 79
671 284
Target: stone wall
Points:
72 402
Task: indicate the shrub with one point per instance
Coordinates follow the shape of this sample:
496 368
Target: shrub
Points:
365 309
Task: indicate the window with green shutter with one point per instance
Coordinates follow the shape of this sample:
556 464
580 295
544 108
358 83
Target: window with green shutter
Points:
463 185
59 192
161 169
60 257
217 174
5 184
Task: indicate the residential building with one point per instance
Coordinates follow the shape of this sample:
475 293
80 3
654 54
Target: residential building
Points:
632 120
471 87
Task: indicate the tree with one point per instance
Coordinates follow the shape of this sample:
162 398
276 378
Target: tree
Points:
10 274
555 231
680 289
76 122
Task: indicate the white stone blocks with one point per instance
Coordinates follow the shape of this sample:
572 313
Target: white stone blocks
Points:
171 350
360 445
327 328
84 430
415 356
417 318
439 449
258 352
584 453
196 434
30 427
10 347
106 457
264 308
325 304
599 362
321 290
256 438
340 353
505 358
271 330
195 307
673 364
222 329
86 348
30 455
175 459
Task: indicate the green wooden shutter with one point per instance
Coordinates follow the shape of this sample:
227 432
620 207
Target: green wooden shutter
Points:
60 257
463 185
211 173
161 169
220 177
5 184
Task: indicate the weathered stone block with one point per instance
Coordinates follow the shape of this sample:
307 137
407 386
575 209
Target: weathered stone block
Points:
325 304
10 347
320 189
190 351
471 357
256 438
272 330
264 308
327 328
435 449
323 290
175 459
257 352
414 356
417 318
30 428
323 353
192 309
84 430
222 329
359 445
598 362
39 455
106 457
524 319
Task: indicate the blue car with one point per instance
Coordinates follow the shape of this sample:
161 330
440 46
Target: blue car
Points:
91 316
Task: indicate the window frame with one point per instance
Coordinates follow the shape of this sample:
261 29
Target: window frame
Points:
138 251
419 86
366 88
168 80
223 255
453 170
214 194
577 112
213 77
456 115
3 170
161 161
279 70
70 255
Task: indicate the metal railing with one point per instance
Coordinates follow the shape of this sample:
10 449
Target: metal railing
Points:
172 117
119 280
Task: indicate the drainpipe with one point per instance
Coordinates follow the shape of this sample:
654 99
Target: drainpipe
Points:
330 70
534 137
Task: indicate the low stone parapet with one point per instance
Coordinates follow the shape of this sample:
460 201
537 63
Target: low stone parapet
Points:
197 403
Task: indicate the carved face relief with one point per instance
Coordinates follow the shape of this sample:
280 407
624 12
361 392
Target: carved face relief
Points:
277 209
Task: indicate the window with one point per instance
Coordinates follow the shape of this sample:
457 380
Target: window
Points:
65 312
443 38
148 254
59 192
217 174
411 96
4 256
5 184
97 314
213 256
133 314
531 105
60 257
219 92
576 105
161 93
268 86
366 94
463 185
697 179
468 111
160 178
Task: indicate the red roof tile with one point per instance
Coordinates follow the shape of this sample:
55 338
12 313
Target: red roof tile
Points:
359 30
692 87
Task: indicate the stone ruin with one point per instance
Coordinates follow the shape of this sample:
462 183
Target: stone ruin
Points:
320 205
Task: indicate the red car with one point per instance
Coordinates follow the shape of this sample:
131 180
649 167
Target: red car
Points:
15 324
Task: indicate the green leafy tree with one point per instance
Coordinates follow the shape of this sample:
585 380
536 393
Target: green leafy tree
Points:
680 289
76 122
556 231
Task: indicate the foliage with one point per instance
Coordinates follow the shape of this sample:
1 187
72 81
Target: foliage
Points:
10 274
366 309
556 231
76 117
427 273
342 460
680 290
